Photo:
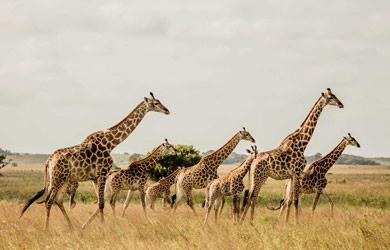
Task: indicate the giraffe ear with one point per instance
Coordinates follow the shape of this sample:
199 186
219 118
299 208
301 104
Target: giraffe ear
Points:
146 99
345 138
323 94
248 151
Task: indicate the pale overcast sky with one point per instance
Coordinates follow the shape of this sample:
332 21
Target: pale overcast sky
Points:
69 68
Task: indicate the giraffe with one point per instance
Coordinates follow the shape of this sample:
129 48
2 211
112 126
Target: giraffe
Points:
89 160
134 177
313 180
161 189
286 161
231 184
199 175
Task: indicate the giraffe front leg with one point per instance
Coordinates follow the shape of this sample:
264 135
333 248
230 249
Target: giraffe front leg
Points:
216 208
295 194
127 201
317 196
49 203
330 202
142 197
114 196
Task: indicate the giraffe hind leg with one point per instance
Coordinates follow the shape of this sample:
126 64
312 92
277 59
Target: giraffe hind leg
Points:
330 202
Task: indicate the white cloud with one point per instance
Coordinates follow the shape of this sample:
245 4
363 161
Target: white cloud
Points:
70 67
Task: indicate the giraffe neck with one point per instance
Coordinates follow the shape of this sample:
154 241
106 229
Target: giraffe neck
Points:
215 159
241 170
170 179
331 158
151 160
118 133
307 127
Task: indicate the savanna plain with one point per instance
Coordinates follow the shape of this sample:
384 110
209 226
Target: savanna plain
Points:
361 218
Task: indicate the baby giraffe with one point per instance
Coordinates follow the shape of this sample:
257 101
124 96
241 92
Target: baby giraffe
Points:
161 189
231 184
313 180
134 177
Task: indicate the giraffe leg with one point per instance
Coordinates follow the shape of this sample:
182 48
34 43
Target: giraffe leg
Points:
101 185
287 198
210 204
300 203
190 202
53 196
317 196
142 197
236 207
71 191
330 202
166 199
60 204
114 196
223 204
216 208
127 201
295 193
179 195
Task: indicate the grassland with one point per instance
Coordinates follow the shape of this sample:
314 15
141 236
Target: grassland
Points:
362 218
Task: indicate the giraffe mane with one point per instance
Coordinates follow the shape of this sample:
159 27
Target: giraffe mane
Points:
209 155
307 117
145 158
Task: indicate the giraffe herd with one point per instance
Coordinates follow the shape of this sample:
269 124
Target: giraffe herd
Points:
91 160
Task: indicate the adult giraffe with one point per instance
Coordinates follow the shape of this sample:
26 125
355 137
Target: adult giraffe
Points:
286 161
199 175
90 160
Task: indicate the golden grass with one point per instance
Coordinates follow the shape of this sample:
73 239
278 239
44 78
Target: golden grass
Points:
362 218
349 229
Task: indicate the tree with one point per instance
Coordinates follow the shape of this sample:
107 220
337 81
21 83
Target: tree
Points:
186 156
3 162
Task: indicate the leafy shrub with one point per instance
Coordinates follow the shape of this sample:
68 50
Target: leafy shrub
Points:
186 156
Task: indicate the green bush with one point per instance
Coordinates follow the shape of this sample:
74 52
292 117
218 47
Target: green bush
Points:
186 156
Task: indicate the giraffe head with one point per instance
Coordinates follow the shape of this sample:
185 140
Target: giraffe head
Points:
168 147
153 104
245 135
331 99
253 152
351 141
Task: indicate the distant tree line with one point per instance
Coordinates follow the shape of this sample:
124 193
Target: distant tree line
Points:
345 159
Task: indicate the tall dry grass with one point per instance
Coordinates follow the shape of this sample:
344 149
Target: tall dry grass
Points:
349 229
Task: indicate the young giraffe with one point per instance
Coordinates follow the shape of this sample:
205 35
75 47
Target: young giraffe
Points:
134 177
89 160
231 184
161 189
313 180
286 161
199 175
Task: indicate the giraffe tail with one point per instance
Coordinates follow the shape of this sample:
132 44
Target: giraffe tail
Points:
38 194
282 201
173 198
245 200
